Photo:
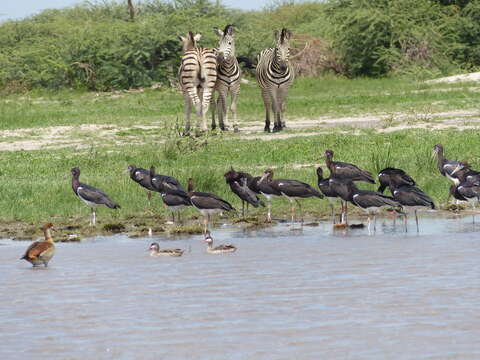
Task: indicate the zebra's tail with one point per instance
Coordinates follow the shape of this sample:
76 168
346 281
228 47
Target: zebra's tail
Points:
202 72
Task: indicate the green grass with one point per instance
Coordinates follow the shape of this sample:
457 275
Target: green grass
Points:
35 185
308 97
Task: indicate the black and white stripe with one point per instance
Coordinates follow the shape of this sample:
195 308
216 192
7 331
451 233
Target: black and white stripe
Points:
197 76
228 78
274 75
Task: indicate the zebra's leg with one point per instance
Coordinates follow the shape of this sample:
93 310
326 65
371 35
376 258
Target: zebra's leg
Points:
282 99
276 107
222 108
213 110
266 103
188 111
233 107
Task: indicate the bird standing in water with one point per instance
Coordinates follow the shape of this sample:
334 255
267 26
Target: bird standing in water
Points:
41 252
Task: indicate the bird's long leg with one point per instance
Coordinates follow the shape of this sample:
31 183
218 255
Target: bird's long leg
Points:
149 195
243 208
405 222
301 212
205 224
292 208
269 211
247 209
416 220
333 212
368 226
173 217
374 222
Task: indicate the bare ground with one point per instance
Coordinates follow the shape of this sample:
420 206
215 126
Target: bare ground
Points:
86 135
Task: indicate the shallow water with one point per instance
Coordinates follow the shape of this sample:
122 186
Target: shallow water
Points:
285 294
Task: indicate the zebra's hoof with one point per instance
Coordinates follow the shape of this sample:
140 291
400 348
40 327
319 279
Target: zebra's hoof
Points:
277 129
266 129
236 130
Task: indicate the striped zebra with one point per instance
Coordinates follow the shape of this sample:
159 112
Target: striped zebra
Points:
274 75
228 79
197 76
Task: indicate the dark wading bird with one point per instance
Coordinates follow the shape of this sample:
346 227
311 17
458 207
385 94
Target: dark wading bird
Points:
91 196
238 183
467 192
346 171
41 252
208 204
266 191
327 190
219 249
410 197
174 197
141 177
392 174
293 190
449 168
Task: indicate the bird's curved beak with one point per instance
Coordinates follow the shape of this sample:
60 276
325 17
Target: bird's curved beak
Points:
434 154
125 171
264 176
459 167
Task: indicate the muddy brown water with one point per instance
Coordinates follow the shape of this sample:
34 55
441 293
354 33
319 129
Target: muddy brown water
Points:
285 294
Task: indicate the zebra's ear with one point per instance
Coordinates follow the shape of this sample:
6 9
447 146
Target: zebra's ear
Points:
218 32
197 37
276 35
285 35
181 38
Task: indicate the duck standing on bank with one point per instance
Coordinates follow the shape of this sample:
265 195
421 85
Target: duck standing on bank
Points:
41 252
220 249
91 196
155 251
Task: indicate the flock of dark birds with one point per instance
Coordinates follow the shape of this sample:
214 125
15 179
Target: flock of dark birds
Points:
405 196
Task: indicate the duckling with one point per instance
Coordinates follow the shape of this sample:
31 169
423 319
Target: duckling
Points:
155 251
220 249
41 252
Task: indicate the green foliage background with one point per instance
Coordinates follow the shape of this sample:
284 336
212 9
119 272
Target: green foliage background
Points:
94 45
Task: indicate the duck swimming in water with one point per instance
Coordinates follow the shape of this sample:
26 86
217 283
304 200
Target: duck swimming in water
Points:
220 249
155 251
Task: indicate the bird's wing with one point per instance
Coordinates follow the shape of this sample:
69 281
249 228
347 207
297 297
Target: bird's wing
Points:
94 195
210 201
37 248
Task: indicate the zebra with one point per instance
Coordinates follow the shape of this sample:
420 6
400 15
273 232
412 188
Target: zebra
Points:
228 79
197 75
274 75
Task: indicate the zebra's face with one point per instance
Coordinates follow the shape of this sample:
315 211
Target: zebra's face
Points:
226 46
282 49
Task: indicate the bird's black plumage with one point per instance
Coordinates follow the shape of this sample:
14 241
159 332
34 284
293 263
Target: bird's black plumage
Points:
290 188
207 201
372 200
452 169
394 175
324 185
164 183
408 195
346 170
238 184
89 194
141 176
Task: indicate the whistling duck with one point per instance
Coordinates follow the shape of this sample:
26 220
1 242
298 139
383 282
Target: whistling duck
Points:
207 204
346 170
91 196
449 168
409 197
141 177
392 174
220 249
41 252
155 251
173 195
327 190
238 183
291 189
